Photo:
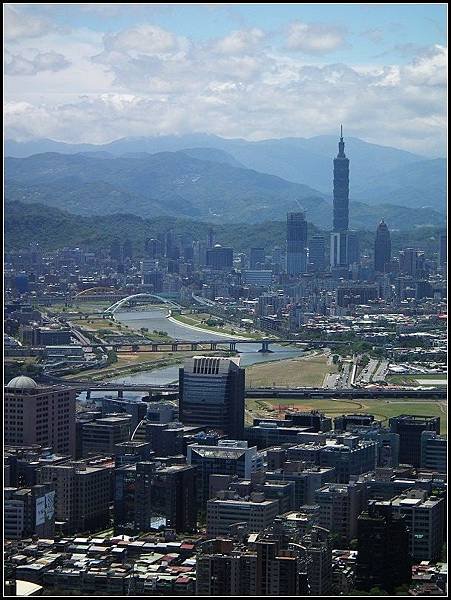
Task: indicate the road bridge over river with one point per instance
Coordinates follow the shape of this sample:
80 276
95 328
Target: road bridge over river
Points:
184 345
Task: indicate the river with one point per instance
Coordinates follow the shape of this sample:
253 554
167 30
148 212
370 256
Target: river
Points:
155 319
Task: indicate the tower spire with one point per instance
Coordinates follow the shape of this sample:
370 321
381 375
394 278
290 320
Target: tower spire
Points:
341 145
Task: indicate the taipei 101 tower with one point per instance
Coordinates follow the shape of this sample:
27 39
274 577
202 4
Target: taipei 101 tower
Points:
341 188
343 243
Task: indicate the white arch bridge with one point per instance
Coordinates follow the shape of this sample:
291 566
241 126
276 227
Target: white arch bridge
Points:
117 305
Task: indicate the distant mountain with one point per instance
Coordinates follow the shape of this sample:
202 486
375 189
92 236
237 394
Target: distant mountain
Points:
213 155
300 160
402 218
147 185
419 184
176 184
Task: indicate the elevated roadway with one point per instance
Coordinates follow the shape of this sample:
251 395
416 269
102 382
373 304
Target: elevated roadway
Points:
275 392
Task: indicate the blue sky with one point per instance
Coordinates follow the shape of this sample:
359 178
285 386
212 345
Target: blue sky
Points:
421 24
176 59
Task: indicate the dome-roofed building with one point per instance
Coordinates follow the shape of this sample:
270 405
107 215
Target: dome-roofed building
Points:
22 383
42 415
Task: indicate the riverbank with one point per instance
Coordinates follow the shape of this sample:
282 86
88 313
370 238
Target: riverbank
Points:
206 328
127 369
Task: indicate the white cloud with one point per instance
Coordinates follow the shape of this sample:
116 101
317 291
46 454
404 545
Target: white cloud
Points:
17 64
147 80
20 25
315 38
239 41
147 40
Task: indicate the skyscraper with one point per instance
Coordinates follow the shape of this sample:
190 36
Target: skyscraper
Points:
317 250
256 258
220 257
341 188
382 248
341 241
442 255
383 558
410 428
211 393
296 243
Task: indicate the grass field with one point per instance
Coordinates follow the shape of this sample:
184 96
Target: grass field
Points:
82 307
300 371
96 324
381 409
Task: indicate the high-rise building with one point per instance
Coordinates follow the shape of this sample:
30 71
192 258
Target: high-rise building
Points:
317 253
424 518
149 495
353 248
229 457
211 393
127 249
256 258
256 511
296 243
36 414
101 436
382 248
82 494
383 558
338 249
410 428
411 262
347 453
221 571
153 248
443 249
433 451
115 249
219 257
316 554
341 188
226 574
277 571
340 505
29 511
350 293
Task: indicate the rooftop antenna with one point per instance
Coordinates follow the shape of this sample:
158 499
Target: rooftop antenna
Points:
341 131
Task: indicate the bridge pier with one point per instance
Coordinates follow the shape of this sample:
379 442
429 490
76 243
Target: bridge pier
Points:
154 347
194 347
174 347
120 393
232 346
265 347
88 394
213 346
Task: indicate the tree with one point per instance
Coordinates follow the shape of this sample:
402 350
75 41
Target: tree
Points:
364 360
111 357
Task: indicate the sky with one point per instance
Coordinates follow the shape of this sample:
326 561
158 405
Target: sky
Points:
98 72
